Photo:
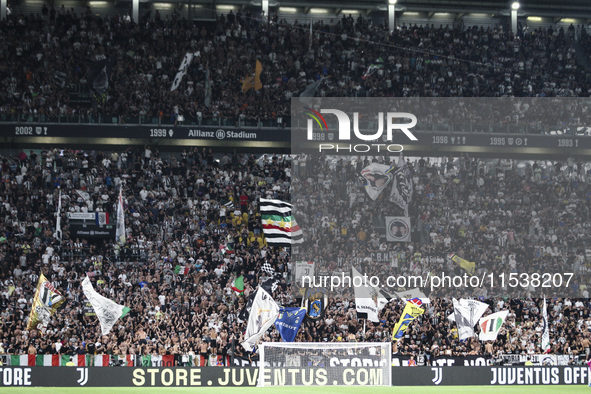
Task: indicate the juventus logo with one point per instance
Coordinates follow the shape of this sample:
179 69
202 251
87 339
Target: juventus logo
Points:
438 375
83 376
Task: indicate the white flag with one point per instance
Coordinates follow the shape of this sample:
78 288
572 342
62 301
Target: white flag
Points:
58 220
263 314
407 295
491 325
369 300
120 232
377 177
106 310
546 331
85 196
182 71
311 89
466 314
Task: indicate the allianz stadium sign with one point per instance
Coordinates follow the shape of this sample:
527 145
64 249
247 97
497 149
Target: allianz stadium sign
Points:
427 141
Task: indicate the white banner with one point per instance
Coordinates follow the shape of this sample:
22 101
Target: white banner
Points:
537 359
303 268
81 215
100 218
397 229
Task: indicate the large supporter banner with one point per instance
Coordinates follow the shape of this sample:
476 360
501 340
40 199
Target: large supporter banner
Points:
248 376
536 359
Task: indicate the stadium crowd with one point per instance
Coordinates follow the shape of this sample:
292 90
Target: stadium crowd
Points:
60 65
181 207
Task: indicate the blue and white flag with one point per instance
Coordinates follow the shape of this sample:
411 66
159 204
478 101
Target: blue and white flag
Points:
289 321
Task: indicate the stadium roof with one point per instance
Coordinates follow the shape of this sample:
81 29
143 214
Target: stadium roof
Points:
545 8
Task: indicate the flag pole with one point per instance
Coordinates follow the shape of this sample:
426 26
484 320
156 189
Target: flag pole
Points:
120 230
311 35
58 219
233 351
364 320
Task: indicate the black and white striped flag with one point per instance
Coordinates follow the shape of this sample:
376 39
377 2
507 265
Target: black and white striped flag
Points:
60 78
279 224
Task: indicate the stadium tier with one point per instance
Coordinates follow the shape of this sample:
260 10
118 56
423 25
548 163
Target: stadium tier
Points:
84 68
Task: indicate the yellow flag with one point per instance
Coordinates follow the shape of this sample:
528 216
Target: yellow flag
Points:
47 300
465 264
248 83
257 76
253 81
410 312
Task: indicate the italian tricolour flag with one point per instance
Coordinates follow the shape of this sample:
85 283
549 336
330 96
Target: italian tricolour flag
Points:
238 284
181 269
225 249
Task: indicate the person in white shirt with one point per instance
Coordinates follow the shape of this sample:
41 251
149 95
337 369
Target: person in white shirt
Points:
219 270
